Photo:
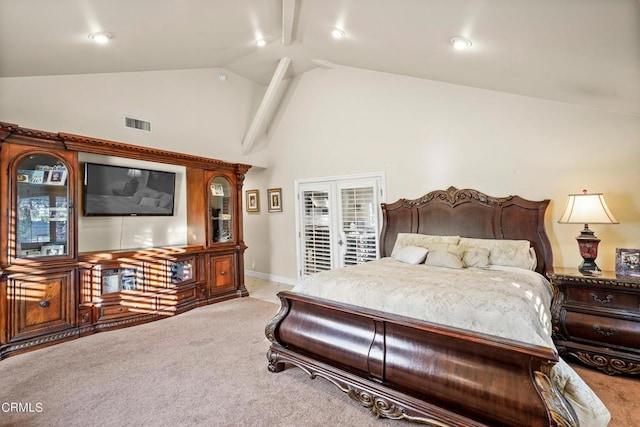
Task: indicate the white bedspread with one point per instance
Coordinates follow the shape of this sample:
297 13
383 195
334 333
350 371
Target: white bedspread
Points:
506 302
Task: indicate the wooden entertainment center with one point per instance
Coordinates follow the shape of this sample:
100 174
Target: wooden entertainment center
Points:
49 292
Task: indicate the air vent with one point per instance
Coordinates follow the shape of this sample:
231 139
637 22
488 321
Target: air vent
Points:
132 123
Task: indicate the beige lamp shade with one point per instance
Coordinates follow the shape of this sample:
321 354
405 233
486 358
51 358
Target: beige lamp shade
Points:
587 209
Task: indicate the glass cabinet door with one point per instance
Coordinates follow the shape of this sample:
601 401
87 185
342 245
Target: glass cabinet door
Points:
221 209
42 207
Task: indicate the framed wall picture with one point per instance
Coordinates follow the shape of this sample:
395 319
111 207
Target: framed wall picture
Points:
217 189
253 200
56 176
275 199
58 214
628 262
52 250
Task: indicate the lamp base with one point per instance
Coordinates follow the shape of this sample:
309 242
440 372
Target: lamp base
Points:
588 244
589 267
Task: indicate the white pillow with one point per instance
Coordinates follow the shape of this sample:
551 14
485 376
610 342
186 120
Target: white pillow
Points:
421 240
411 255
149 201
445 255
509 253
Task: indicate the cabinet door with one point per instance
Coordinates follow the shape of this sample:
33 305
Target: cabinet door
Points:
181 271
221 210
41 206
40 304
222 274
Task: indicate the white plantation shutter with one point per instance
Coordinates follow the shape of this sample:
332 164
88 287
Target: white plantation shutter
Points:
359 225
315 232
338 222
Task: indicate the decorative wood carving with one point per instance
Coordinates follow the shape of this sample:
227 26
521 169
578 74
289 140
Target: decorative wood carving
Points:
559 409
454 196
87 144
608 365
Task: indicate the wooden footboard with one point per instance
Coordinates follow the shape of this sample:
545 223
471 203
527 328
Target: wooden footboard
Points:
402 368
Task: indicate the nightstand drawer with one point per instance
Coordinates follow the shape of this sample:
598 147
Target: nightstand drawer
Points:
603 298
603 330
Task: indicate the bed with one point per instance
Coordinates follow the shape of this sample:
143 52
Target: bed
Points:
402 359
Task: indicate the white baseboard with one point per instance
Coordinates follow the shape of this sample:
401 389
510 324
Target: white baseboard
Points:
271 277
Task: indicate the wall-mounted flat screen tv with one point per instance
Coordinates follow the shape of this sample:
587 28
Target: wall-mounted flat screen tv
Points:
126 191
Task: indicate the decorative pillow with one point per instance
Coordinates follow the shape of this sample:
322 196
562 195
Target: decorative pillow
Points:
421 240
146 192
165 201
445 255
149 201
534 258
476 257
411 255
510 253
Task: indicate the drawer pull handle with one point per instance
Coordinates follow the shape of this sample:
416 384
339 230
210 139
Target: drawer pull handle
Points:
608 333
43 304
607 299
222 273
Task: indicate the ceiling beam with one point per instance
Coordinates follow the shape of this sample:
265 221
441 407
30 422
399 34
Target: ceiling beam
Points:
269 101
288 18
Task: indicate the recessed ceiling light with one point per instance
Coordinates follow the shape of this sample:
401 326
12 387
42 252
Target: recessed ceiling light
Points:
337 33
460 43
261 42
100 38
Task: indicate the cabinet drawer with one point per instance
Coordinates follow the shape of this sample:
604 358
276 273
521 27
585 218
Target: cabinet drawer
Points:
113 310
603 330
603 298
174 297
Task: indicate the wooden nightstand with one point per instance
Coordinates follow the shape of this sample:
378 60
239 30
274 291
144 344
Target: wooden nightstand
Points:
596 319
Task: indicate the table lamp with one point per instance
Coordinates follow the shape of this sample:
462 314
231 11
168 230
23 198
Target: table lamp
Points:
587 209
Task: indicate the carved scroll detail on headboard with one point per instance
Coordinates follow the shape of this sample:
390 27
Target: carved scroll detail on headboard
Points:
453 196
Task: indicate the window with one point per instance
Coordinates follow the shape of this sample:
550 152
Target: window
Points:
338 221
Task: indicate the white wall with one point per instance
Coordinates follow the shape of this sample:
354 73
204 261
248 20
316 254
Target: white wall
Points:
428 135
191 111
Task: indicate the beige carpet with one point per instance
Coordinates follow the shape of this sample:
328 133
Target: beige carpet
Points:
203 367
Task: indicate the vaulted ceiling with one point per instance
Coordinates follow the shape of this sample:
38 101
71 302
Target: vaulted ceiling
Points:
584 52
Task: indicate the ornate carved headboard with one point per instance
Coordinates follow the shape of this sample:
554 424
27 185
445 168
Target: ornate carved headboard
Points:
469 213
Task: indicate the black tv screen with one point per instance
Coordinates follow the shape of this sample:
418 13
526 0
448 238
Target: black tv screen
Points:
126 191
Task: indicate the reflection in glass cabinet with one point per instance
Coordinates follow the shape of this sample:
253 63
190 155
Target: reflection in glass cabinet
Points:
221 210
42 206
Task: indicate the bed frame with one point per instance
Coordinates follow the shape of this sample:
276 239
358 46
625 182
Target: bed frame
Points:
403 368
